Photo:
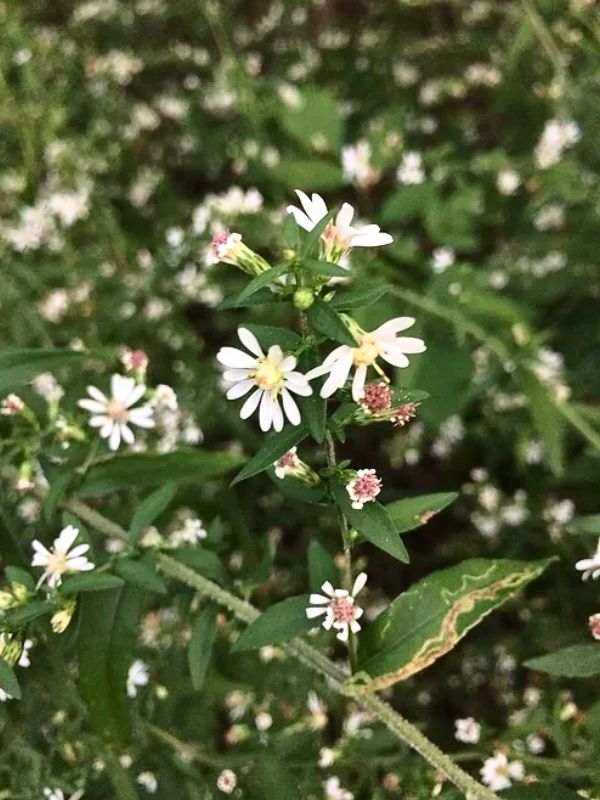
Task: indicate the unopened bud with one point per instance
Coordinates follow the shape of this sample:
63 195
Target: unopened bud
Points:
303 298
229 248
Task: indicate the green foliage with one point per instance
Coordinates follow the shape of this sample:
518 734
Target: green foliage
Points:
279 623
577 661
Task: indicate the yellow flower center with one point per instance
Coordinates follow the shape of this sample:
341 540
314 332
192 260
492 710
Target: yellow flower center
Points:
57 564
116 410
367 351
268 376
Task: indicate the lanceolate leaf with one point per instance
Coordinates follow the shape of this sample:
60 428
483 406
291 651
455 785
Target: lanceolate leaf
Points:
90 582
413 512
260 281
280 622
152 507
577 661
373 522
186 465
327 321
269 335
546 418
141 572
19 366
313 407
359 296
321 566
8 680
427 621
276 780
201 644
275 446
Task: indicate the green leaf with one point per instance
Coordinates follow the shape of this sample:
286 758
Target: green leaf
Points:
151 508
15 617
279 623
317 115
203 561
90 582
546 418
427 621
201 644
540 791
321 566
296 489
141 573
360 295
314 407
185 465
268 335
577 661
407 514
407 202
8 680
57 490
317 173
311 238
327 321
373 522
588 525
261 281
259 298
19 366
16 575
325 268
274 447
276 780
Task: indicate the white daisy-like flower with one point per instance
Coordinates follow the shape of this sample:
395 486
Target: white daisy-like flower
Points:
339 607
339 236
380 343
498 772
137 675
114 414
590 566
271 376
467 730
61 558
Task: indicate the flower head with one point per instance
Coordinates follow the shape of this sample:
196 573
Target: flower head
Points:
498 772
590 566
467 730
339 607
594 625
271 376
114 414
11 405
370 346
227 781
137 675
340 235
230 249
287 464
364 488
61 558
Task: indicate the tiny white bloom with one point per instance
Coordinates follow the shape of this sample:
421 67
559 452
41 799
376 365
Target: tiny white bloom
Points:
467 730
363 488
227 781
61 558
137 675
58 794
498 772
148 781
382 342
339 607
24 660
410 171
335 791
271 376
590 566
114 414
339 236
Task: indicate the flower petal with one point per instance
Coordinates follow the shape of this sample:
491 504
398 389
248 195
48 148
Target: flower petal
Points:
250 342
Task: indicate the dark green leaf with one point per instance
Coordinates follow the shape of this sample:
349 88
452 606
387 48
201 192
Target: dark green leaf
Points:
577 661
279 623
261 281
57 490
15 617
261 297
185 465
321 566
540 791
314 407
141 573
359 296
545 416
407 514
326 268
19 366
276 780
16 575
313 236
8 680
201 644
327 321
268 335
203 561
151 508
90 582
274 447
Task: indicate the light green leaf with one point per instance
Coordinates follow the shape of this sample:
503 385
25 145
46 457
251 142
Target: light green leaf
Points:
327 321
588 525
427 621
8 680
185 465
16 575
275 446
279 623
577 661
201 644
408 513
407 202
276 780
151 508
325 268
19 366
317 173
90 582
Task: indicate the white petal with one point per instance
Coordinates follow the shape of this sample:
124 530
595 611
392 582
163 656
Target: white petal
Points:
393 326
397 359
277 415
371 239
319 599
301 219
251 404
107 428
121 387
94 392
344 217
339 373
343 634
354 626
99 421
80 564
328 589
288 364
265 414
140 417
292 411
232 357
311 613
114 440
95 406
64 540
79 550
240 389
358 383
359 583
127 434
250 342
410 344
136 393
235 375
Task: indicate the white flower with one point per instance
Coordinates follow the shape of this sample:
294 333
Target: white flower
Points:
382 342
557 135
11 405
58 794
339 236
191 531
24 659
339 607
443 258
137 675
148 781
165 397
356 164
271 376
287 464
60 558
411 171
263 721
114 414
498 772
334 790
508 181
467 730
227 781
590 566
363 488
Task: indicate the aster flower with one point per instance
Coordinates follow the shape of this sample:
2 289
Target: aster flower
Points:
61 559
271 376
382 342
339 607
467 730
498 772
114 414
590 566
363 488
230 249
594 626
11 405
339 236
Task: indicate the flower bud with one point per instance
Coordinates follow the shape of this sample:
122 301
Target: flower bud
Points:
304 298
229 248
61 619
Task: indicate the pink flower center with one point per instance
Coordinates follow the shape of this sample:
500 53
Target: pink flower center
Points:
219 239
289 459
343 609
116 411
138 359
376 397
367 486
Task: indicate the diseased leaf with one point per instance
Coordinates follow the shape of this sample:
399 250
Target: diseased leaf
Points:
186 465
201 643
577 661
274 447
279 623
427 621
413 512
151 508
373 522
327 321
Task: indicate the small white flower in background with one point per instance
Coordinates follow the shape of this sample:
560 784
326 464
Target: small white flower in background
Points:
550 217
58 794
498 772
339 607
364 488
318 710
69 206
382 342
114 414
410 171
263 721
24 659
339 236
148 781
535 744
335 791
508 181
165 397
556 137
356 164
48 387
61 559
594 626
138 675
271 376
134 360
590 566
467 730
443 258
11 405
227 781
191 531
